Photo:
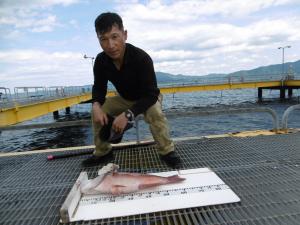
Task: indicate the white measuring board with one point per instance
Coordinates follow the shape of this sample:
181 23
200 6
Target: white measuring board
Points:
202 187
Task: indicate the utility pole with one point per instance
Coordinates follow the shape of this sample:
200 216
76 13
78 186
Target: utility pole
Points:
89 57
92 58
283 47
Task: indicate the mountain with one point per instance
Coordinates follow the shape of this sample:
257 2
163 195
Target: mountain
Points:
290 67
271 69
164 78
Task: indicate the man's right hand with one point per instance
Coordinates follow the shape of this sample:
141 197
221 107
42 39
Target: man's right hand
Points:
98 115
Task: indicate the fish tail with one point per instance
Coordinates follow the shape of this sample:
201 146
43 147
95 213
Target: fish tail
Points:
174 179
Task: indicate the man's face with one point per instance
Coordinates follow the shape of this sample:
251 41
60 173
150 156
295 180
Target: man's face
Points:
113 42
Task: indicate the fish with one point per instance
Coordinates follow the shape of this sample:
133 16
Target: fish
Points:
124 183
117 183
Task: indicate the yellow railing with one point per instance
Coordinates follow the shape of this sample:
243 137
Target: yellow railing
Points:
20 113
216 87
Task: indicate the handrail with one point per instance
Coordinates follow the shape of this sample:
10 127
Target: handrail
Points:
169 115
217 112
37 94
286 115
231 111
206 80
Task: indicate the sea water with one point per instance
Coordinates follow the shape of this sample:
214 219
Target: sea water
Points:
180 126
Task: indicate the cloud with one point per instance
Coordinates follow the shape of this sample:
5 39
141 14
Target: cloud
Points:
39 68
8 4
214 38
193 10
181 35
30 14
45 24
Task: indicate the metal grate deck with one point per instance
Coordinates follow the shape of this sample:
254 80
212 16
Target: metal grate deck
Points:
264 171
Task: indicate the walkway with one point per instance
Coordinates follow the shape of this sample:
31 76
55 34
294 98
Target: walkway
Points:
263 171
31 102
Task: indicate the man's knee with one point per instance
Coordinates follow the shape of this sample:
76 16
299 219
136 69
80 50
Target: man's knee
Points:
154 113
107 105
116 105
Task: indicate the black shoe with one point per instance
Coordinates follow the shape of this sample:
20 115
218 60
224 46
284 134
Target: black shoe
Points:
172 159
109 135
96 160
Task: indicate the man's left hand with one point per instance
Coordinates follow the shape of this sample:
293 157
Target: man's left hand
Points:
119 123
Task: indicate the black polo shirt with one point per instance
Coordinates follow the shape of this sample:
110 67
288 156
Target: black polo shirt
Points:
135 81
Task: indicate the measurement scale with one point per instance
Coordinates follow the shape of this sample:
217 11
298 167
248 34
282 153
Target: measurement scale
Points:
87 200
201 187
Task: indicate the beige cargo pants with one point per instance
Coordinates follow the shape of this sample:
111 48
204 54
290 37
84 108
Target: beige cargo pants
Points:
153 116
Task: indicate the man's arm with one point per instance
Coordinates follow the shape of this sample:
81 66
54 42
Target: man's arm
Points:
148 87
98 115
147 90
100 82
98 94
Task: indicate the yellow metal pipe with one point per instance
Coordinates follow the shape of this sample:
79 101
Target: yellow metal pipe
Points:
216 87
292 83
20 113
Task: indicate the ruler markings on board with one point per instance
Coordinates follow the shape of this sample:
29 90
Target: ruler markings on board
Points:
89 200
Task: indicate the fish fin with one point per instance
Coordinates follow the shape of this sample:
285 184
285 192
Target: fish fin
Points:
110 167
119 186
144 186
166 180
87 186
117 189
174 179
120 189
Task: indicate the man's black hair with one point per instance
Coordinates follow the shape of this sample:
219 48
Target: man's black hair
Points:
105 21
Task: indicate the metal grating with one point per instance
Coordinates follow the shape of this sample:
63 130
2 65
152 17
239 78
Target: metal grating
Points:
263 171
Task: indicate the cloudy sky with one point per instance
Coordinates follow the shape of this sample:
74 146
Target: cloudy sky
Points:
42 42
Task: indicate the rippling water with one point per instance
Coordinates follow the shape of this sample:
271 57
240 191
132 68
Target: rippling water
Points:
23 140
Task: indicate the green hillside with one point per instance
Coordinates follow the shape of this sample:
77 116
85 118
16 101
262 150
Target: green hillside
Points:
276 69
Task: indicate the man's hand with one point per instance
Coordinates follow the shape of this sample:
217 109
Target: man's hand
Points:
99 115
120 123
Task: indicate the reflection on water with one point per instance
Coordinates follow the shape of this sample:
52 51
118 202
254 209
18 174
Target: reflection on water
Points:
23 140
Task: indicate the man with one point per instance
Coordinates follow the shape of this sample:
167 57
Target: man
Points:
131 71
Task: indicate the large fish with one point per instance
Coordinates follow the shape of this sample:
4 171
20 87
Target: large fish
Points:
109 181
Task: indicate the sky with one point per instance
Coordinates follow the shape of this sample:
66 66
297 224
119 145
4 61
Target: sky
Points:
42 42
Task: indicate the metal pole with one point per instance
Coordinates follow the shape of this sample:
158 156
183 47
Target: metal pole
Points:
283 47
286 115
92 58
89 57
282 61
